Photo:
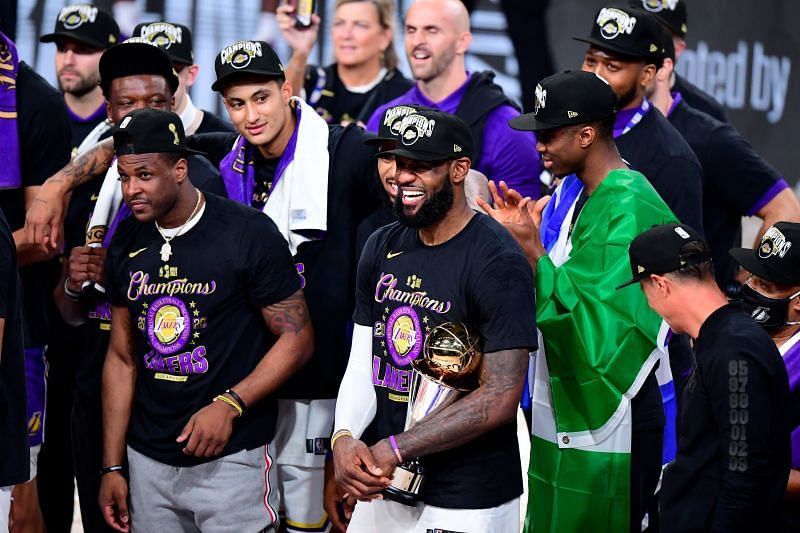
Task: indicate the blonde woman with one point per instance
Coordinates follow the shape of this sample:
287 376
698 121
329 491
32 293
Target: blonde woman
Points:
364 74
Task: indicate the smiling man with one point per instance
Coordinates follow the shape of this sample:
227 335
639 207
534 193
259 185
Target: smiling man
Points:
194 345
600 345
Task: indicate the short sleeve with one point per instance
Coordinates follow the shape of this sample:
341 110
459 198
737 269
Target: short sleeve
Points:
506 305
680 185
365 281
741 177
265 263
215 146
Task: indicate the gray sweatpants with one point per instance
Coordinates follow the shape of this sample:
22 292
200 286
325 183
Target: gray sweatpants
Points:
236 493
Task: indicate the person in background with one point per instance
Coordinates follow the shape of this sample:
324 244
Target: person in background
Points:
364 74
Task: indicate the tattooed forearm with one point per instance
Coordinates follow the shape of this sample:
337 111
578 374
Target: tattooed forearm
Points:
287 316
492 404
92 162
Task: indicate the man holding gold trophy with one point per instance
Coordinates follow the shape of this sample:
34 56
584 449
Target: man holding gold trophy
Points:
444 321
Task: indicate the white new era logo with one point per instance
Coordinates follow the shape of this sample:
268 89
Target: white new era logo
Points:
456 148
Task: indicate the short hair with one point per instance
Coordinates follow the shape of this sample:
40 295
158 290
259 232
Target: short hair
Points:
172 158
604 126
699 266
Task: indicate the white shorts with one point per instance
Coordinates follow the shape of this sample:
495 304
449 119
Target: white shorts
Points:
5 507
302 440
33 455
387 516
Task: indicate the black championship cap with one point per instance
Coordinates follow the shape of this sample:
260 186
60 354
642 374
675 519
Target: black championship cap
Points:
568 98
777 258
246 57
135 57
174 39
431 135
150 131
629 32
658 251
388 128
86 24
670 13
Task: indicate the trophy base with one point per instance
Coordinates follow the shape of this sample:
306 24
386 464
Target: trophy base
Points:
406 484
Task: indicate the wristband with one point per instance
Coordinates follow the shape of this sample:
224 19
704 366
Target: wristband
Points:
393 442
340 433
237 398
109 469
69 293
234 405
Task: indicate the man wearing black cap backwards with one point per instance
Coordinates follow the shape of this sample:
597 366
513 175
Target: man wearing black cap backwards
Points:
407 287
81 34
197 341
772 298
733 439
176 41
577 269
625 49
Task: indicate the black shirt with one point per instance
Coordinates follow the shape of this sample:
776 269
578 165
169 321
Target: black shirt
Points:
199 322
737 182
699 99
45 143
13 412
405 288
657 150
81 127
733 457
334 102
327 266
211 123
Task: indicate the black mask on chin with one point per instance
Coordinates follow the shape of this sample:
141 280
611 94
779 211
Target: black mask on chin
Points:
769 313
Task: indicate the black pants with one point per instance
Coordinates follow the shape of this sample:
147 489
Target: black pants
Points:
646 451
87 443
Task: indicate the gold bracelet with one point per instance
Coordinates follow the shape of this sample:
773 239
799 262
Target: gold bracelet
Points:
340 433
230 402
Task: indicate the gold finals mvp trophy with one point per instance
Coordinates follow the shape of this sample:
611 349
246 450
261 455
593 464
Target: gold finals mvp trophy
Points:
449 366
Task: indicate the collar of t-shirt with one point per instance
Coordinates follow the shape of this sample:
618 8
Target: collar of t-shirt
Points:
626 118
676 99
448 105
98 114
171 232
363 89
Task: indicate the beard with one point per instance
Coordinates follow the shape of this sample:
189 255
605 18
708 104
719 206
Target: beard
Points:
432 211
627 97
81 86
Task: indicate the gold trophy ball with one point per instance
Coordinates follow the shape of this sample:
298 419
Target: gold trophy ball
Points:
451 356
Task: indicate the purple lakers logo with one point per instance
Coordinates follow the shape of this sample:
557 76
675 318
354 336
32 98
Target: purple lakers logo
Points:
404 335
168 325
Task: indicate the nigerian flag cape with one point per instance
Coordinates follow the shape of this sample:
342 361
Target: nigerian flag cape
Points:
599 346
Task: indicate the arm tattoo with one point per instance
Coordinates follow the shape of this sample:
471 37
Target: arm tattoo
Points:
84 167
287 316
501 380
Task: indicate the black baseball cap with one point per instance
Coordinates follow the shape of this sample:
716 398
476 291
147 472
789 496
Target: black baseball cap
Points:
630 32
777 257
135 57
392 117
246 57
431 135
150 131
174 39
568 98
670 13
86 24
667 45
658 251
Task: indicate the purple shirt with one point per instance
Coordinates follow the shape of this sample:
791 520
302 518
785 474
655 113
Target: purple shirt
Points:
507 155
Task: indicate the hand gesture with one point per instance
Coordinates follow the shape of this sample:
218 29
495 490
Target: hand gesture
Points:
86 264
44 217
357 473
208 431
301 40
520 216
113 501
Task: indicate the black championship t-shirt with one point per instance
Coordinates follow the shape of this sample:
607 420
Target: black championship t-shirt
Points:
405 289
334 102
699 99
13 413
737 182
199 322
326 266
45 143
657 150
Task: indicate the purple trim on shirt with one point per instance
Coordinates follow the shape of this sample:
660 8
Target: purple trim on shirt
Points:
99 113
792 361
771 193
676 99
624 116
122 213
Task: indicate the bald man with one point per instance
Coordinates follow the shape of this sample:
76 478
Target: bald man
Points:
437 37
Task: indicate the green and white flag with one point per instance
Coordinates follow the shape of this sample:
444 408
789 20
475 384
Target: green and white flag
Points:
599 346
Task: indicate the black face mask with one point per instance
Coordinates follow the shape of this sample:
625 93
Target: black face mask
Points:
770 313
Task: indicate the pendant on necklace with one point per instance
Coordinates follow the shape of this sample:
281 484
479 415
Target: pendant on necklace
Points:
166 251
